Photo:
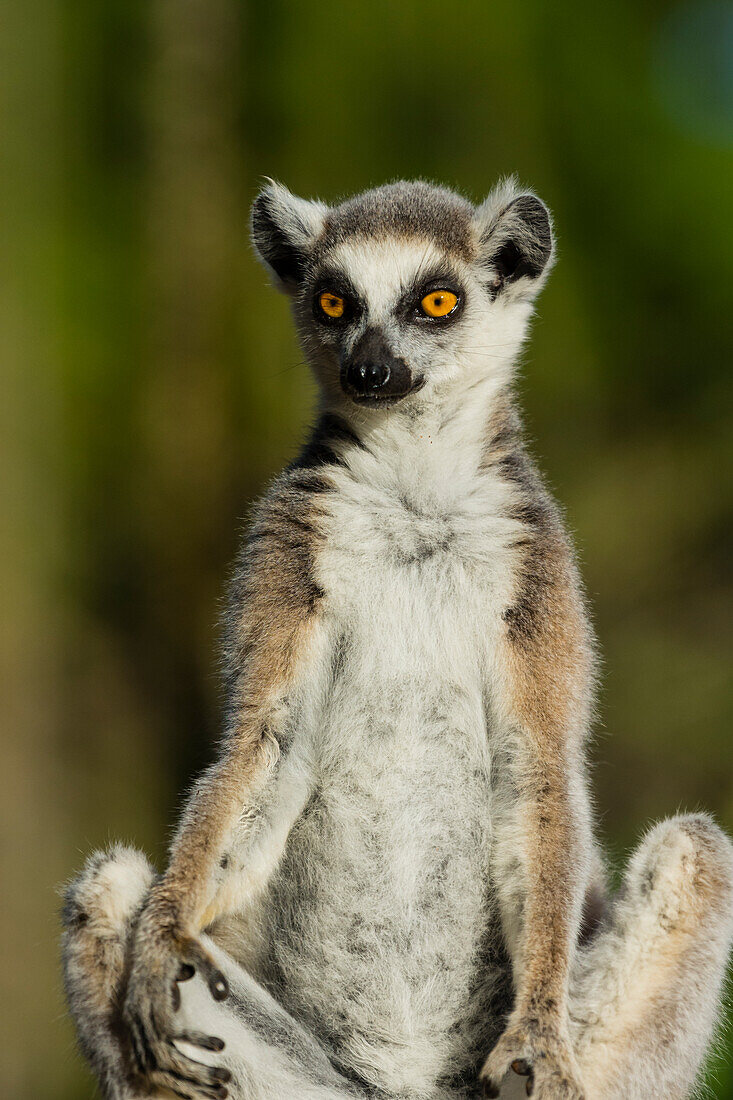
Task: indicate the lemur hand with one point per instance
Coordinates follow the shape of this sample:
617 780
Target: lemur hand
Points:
163 956
537 1050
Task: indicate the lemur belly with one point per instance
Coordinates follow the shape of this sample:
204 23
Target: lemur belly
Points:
381 903
380 912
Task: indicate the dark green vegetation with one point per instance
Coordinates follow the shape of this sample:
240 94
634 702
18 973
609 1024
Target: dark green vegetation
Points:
151 383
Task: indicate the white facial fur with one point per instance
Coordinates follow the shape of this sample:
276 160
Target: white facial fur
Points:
482 341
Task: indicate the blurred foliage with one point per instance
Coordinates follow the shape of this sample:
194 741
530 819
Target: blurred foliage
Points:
151 382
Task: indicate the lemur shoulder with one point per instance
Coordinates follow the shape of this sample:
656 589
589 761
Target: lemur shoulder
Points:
388 879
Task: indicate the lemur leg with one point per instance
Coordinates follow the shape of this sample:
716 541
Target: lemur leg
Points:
99 911
266 1052
645 992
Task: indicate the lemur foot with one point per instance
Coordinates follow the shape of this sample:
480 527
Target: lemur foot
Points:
538 1053
161 959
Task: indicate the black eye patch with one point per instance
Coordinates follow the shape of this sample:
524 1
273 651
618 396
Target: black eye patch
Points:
410 309
337 284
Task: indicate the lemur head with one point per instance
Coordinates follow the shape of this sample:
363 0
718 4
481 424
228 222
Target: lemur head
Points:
407 288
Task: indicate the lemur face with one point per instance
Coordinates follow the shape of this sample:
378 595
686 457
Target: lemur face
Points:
383 313
404 288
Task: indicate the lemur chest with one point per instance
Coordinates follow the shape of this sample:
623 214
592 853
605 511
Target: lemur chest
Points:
413 590
387 871
403 716
403 732
403 725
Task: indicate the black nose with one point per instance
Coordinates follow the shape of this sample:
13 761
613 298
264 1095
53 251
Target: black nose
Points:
373 373
370 376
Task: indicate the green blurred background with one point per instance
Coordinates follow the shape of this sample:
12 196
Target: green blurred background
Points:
151 382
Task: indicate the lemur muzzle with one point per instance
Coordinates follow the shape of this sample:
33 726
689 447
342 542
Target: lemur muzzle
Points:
373 373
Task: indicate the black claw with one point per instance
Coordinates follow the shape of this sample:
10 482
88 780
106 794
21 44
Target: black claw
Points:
530 1086
490 1090
222 1074
176 997
185 973
522 1067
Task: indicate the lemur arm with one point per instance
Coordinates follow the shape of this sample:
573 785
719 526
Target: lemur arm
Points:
543 844
273 636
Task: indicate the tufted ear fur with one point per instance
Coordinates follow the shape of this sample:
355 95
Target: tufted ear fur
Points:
284 228
515 240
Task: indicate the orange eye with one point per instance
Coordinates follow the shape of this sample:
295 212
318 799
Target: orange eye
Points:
331 304
439 303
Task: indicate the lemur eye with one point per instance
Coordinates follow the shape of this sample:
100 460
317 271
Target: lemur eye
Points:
331 304
439 303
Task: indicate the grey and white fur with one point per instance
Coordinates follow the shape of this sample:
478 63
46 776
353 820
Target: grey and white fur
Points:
387 885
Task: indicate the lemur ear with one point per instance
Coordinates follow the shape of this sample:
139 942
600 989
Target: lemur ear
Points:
515 240
284 229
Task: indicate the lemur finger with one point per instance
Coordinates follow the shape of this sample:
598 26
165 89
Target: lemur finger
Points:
199 1039
177 1092
181 1086
219 986
217 983
185 972
172 1060
137 1051
141 1049
523 1068
189 1090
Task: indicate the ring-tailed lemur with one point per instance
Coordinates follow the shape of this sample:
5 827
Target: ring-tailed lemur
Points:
387 885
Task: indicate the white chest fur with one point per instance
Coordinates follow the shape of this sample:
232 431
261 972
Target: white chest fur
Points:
388 869
416 560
